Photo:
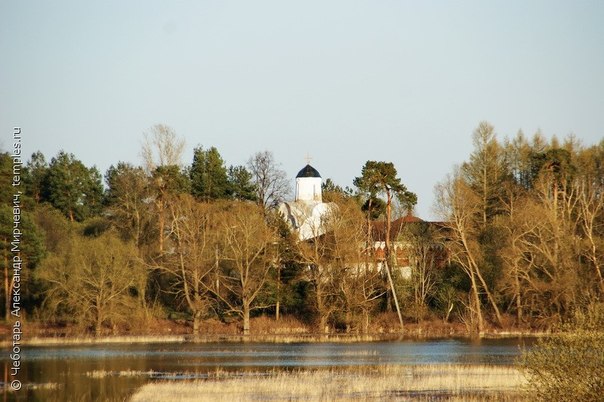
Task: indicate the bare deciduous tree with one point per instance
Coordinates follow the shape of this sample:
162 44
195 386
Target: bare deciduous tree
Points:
461 209
193 230
161 147
128 189
247 252
426 254
360 286
271 182
590 192
91 281
162 151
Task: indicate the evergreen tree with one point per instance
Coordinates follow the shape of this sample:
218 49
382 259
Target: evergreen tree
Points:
128 191
485 172
209 178
31 248
380 178
34 175
332 191
240 184
73 188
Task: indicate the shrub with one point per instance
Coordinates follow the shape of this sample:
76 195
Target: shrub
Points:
569 366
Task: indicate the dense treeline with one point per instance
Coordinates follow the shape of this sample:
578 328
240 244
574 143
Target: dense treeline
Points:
521 241
525 222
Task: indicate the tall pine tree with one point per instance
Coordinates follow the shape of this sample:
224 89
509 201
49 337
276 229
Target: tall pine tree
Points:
72 188
209 178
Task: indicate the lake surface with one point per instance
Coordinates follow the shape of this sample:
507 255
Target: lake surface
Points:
113 372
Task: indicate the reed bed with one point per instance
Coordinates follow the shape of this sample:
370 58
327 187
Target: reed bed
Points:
90 340
422 382
276 338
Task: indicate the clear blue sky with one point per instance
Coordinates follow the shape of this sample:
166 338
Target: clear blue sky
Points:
346 81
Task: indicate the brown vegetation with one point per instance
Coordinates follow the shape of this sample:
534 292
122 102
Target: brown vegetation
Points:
450 382
569 366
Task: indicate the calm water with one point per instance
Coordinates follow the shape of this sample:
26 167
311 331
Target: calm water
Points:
113 372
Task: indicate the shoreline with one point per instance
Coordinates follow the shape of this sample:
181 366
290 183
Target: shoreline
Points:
260 338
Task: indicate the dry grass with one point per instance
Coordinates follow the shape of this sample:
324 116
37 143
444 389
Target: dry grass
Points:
449 382
87 340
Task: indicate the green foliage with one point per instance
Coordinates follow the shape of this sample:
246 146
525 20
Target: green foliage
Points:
332 191
34 174
124 180
31 242
329 186
170 180
528 240
569 366
485 171
240 184
54 226
73 188
374 207
32 251
209 177
127 199
379 178
96 226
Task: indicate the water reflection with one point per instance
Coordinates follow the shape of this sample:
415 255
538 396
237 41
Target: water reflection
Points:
113 372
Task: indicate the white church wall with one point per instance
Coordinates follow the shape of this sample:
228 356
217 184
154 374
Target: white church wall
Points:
308 189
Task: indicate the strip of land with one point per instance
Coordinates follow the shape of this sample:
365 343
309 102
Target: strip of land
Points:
424 382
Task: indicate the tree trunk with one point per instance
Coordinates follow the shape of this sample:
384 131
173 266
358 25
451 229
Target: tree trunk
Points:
161 231
594 258
278 305
490 297
323 317
518 291
369 245
398 309
387 260
196 322
323 327
246 318
348 321
478 308
475 272
99 323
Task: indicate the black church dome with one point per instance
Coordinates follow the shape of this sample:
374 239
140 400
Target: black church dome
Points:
308 171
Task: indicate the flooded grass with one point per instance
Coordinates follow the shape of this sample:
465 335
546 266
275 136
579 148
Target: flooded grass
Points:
419 382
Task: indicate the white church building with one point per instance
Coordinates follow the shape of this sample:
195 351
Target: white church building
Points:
306 213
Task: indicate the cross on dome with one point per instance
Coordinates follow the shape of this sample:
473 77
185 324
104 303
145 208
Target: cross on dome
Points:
308 158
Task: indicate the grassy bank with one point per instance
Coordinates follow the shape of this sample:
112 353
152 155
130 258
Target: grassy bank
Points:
264 329
447 382
305 338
